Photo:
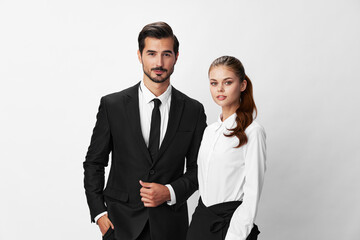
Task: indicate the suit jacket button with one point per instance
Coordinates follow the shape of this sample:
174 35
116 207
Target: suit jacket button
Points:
152 171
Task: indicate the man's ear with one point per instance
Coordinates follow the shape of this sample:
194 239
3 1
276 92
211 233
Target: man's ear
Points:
176 57
139 56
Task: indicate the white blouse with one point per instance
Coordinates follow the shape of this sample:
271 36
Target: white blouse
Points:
226 173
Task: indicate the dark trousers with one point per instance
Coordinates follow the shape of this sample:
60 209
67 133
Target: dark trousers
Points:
144 235
109 235
212 223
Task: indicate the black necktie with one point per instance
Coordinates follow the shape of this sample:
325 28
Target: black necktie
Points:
154 139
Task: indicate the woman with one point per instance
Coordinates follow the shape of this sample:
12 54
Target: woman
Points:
231 161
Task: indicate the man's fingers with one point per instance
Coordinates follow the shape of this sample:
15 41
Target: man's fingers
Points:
111 225
104 224
146 200
149 204
104 228
151 194
145 184
145 195
146 190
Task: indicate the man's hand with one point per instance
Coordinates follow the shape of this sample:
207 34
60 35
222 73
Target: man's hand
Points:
153 194
104 224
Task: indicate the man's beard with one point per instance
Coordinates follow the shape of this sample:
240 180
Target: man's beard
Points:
161 69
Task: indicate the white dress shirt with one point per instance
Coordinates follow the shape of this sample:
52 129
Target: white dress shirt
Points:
226 173
146 106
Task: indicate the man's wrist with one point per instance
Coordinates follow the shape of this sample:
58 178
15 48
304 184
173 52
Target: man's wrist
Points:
172 200
99 216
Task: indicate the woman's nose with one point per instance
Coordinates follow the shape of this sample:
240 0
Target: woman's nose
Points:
220 88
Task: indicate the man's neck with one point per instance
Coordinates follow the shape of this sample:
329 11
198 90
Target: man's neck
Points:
156 88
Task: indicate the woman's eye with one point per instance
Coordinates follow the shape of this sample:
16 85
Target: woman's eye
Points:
228 83
213 83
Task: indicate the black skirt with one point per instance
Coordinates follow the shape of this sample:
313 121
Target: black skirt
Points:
212 223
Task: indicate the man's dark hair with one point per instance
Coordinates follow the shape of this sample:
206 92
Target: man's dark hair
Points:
157 30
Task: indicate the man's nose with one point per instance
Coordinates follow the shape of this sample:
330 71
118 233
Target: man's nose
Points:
159 61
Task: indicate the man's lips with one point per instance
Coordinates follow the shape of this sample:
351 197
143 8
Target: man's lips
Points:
221 97
158 72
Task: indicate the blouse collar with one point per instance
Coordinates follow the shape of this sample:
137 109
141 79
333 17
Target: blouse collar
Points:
229 123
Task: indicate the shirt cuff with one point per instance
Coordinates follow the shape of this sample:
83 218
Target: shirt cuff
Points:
99 216
230 236
172 195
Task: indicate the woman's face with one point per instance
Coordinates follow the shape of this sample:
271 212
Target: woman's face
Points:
225 87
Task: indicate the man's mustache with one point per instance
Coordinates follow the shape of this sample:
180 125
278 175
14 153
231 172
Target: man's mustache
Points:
159 69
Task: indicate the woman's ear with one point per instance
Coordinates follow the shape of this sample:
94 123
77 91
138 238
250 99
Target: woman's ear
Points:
243 85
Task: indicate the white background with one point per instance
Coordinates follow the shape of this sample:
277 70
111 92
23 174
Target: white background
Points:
57 58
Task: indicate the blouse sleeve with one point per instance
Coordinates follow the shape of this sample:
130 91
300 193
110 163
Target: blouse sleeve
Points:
255 156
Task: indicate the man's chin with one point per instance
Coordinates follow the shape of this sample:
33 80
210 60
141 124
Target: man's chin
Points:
159 79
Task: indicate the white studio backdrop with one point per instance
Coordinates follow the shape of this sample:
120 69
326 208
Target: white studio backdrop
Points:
57 58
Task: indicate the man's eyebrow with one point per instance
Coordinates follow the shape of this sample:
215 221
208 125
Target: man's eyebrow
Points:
150 51
167 51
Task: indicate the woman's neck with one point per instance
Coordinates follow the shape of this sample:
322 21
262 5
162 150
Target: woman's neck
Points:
227 112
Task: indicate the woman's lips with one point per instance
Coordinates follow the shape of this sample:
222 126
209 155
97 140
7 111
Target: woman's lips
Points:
221 97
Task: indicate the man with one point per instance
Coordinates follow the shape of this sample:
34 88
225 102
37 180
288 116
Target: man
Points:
152 130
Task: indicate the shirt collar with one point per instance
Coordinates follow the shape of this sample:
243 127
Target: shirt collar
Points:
229 123
149 96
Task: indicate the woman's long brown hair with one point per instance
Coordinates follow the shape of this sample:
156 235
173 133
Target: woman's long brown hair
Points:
244 113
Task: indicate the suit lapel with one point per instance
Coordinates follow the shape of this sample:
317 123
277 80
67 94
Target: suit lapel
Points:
132 110
176 107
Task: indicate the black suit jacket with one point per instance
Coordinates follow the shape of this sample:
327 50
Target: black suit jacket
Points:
118 131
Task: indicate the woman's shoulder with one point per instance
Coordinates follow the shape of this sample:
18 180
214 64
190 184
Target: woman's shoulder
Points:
212 126
255 128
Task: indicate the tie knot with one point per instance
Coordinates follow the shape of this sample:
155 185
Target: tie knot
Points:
157 102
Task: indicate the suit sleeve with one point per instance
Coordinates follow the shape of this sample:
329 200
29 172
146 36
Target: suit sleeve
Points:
96 160
186 185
